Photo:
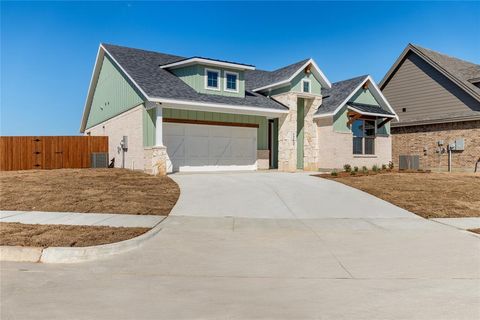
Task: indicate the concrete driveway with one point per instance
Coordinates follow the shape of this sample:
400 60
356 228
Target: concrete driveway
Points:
360 259
276 195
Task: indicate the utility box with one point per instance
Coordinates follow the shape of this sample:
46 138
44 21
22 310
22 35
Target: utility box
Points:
459 144
124 143
99 160
409 162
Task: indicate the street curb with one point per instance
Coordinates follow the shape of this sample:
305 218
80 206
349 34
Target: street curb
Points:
20 254
72 254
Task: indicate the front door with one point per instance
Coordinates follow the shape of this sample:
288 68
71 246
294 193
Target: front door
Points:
300 132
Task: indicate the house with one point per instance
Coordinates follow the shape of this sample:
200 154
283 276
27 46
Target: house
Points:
166 113
438 99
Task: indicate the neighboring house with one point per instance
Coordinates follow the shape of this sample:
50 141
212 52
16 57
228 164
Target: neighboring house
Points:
201 114
438 100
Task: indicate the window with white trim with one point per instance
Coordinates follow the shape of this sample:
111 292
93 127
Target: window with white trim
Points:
212 79
364 132
231 81
306 86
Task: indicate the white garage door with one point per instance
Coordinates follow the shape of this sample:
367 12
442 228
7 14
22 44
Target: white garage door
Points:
193 147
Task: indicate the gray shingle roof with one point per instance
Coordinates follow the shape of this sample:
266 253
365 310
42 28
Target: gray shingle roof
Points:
334 97
216 60
143 67
369 108
461 69
255 79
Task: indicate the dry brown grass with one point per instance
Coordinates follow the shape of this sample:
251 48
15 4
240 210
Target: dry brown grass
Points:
475 230
430 195
87 190
35 235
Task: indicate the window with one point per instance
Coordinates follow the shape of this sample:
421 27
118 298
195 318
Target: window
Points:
211 79
364 136
306 85
231 81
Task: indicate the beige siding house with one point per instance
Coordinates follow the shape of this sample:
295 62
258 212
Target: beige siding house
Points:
438 100
164 113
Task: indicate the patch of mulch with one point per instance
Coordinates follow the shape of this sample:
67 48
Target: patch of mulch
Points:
430 195
88 191
36 235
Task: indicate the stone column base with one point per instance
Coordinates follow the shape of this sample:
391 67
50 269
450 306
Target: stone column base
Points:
156 160
263 159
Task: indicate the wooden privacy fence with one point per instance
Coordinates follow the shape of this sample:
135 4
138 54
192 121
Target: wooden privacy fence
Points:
49 152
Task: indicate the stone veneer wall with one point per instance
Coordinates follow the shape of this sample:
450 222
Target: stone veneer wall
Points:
423 140
287 132
130 124
336 149
156 160
263 159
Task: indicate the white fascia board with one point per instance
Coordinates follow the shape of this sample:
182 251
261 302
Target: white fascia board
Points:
370 113
101 53
323 115
88 100
186 62
316 71
217 107
376 93
126 73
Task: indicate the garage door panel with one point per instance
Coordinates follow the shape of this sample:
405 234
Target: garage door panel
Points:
176 146
193 147
197 147
197 131
220 147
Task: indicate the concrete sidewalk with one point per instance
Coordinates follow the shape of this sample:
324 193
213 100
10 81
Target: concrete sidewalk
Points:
460 223
81 219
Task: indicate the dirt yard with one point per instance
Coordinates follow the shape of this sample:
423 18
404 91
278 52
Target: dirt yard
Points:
430 195
35 235
87 190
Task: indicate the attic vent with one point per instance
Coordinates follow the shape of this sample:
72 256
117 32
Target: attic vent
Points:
98 160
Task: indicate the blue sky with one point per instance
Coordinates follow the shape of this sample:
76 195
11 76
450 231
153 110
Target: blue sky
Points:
48 49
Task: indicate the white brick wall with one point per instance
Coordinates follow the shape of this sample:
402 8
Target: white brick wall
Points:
130 124
336 149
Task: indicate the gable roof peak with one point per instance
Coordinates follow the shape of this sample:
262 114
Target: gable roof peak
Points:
456 70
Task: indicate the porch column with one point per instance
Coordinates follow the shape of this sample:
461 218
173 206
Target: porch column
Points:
156 157
158 126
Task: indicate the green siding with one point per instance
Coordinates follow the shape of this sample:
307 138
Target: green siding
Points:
362 96
149 127
113 95
194 76
262 131
296 85
340 121
300 132
275 144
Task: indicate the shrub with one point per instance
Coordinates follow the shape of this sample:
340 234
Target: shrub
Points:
375 168
334 173
364 169
353 173
347 167
355 169
384 167
390 165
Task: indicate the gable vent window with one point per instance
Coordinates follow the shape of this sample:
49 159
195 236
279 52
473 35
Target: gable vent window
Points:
231 81
306 85
211 79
